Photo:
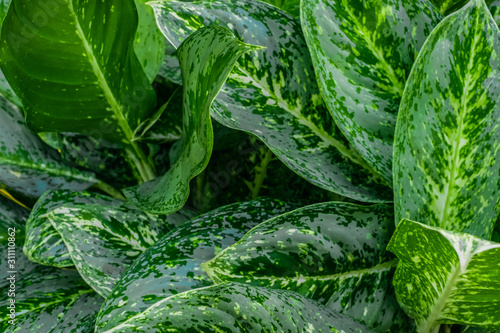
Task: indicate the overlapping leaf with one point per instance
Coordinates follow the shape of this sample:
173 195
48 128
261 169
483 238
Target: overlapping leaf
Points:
446 277
206 59
447 146
449 6
331 252
238 308
292 7
27 165
172 265
273 93
50 300
363 52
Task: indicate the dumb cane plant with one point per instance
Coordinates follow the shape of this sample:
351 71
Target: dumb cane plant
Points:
247 166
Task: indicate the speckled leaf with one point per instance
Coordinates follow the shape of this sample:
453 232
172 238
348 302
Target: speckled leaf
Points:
331 252
494 7
273 94
363 52
50 300
12 216
172 265
149 44
7 92
446 277
237 308
206 59
447 146
102 235
29 166
70 63
292 7
449 6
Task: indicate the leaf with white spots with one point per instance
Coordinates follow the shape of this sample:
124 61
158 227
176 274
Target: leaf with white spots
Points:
447 146
29 166
238 308
331 252
172 265
446 277
273 94
206 59
50 300
363 52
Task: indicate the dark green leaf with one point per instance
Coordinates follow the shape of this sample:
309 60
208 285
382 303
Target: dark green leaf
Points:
292 7
449 6
331 252
27 165
12 216
237 308
447 145
172 265
206 59
446 277
273 94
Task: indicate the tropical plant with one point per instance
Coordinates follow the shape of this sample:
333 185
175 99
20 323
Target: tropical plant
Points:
250 166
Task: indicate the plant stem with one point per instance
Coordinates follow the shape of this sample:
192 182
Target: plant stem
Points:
436 329
141 162
110 190
10 197
447 328
260 173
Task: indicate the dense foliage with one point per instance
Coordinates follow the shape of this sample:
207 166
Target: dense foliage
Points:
249 166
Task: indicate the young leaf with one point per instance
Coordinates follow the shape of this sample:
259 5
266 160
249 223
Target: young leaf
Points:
206 59
273 94
447 145
331 252
102 235
172 265
71 64
363 52
29 166
446 277
50 300
237 308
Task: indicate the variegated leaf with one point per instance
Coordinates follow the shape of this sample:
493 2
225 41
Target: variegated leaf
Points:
446 277
29 166
49 300
7 92
13 217
494 7
273 94
102 235
172 265
449 6
237 308
292 7
363 52
206 59
331 252
447 146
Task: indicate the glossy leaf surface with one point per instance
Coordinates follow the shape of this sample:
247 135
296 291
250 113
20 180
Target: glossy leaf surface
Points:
238 308
206 59
331 252
446 277
273 94
172 265
447 146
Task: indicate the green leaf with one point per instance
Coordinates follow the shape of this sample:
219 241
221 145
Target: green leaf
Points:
101 236
494 7
206 59
12 216
272 94
29 166
72 65
331 252
50 300
292 7
172 265
7 92
363 52
446 277
446 7
235 307
446 150
149 44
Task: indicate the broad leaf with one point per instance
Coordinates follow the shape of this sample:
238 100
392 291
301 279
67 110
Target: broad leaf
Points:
363 52
7 92
292 7
447 145
50 300
331 252
29 166
449 6
172 265
446 277
72 65
206 59
273 95
237 308
101 236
